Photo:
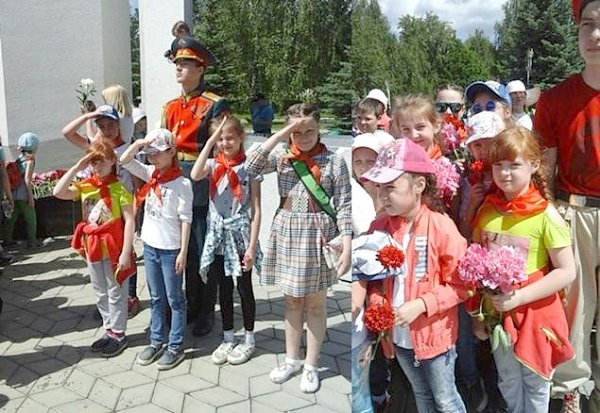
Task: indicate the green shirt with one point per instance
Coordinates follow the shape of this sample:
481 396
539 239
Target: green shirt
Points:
533 235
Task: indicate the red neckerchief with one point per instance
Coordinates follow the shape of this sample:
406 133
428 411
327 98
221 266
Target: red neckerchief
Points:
530 203
225 166
434 152
157 178
306 157
117 141
102 184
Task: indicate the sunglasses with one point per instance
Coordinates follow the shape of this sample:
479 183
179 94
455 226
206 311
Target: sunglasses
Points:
490 106
442 107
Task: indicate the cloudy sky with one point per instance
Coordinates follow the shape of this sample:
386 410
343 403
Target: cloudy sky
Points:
463 15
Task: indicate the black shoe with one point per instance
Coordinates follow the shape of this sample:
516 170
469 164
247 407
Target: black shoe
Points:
114 347
99 344
203 326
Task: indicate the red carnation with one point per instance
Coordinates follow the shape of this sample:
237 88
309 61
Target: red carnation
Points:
476 169
379 317
390 257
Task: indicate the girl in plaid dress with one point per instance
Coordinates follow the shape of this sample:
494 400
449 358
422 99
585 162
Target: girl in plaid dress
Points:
293 256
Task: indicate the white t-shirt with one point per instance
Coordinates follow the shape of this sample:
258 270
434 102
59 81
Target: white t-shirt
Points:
162 218
401 334
523 120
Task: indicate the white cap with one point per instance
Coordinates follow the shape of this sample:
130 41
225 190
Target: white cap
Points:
515 86
374 141
137 114
484 125
378 95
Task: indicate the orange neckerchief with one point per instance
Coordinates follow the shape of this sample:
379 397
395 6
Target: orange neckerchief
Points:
157 178
530 203
225 166
102 184
306 157
434 152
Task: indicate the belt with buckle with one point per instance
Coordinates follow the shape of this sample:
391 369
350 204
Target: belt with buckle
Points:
578 200
187 156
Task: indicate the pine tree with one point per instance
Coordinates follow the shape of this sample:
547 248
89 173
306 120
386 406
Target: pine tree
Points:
544 26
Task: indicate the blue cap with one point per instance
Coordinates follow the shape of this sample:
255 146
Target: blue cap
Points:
496 89
108 111
28 141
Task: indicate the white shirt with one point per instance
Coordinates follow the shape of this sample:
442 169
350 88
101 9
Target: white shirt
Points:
162 218
523 120
401 334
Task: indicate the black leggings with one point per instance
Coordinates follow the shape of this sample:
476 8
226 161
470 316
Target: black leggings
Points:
244 287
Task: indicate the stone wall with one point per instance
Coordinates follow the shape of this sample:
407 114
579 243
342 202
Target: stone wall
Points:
46 47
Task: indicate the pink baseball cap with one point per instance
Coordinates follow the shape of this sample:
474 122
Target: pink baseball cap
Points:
402 155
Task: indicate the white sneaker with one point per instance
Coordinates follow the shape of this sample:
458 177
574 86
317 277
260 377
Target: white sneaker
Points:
241 353
285 370
219 356
309 383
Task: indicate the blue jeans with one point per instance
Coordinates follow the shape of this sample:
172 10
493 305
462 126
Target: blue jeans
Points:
466 347
361 392
523 390
165 286
433 381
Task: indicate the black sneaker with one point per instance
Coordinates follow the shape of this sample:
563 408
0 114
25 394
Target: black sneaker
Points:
99 344
170 359
149 354
114 347
477 398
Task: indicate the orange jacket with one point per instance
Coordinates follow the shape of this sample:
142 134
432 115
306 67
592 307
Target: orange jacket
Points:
93 241
436 241
539 332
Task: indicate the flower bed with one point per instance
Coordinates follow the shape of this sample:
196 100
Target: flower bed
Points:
44 183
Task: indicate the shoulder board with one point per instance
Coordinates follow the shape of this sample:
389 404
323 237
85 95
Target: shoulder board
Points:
170 101
211 96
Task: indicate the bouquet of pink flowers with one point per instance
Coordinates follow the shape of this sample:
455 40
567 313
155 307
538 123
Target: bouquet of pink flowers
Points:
447 179
491 272
453 135
44 183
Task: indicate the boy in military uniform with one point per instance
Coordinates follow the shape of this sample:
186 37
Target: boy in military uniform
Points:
188 117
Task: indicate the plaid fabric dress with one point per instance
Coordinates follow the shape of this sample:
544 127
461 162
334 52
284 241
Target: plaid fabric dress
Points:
293 256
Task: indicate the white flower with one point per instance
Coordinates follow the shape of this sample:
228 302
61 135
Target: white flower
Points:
87 82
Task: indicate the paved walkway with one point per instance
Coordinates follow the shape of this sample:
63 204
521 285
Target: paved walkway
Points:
47 325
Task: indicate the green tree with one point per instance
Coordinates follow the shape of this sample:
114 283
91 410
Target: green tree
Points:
546 27
373 48
134 35
431 54
485 51
337 94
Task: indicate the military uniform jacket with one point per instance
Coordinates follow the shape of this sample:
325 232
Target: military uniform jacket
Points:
188 116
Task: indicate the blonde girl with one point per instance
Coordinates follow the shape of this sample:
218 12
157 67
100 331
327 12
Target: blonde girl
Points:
231 245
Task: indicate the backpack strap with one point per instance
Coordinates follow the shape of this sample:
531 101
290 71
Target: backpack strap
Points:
315 190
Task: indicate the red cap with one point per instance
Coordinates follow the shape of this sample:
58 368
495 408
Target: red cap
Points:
578 6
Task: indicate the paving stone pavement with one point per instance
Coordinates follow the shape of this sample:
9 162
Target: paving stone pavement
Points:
47 326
